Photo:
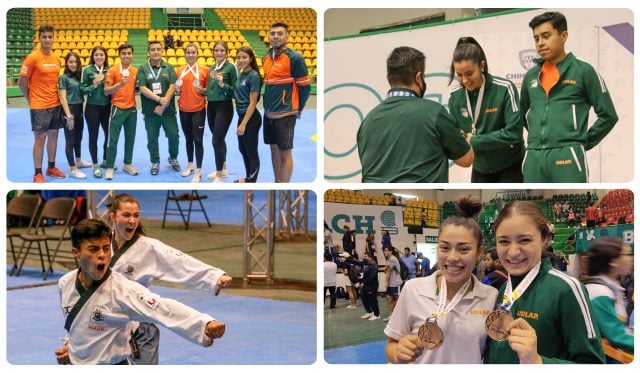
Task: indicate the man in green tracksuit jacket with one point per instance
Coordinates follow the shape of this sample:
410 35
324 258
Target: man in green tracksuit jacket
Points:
557 306
556 96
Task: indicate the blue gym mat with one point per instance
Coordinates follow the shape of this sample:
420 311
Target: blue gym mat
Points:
20 141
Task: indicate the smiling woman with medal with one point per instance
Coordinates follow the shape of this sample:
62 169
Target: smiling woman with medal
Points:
554 320
222 79
486 108
192 78
96 111
440 318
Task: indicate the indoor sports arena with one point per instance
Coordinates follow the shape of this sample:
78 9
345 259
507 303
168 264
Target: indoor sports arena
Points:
82 30
263 241
560 230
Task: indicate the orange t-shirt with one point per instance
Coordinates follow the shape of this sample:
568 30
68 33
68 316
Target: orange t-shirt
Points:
189 100
549 77
125 96
42 71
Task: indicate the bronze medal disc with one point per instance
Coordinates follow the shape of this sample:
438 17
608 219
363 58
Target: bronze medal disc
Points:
497 323
430 335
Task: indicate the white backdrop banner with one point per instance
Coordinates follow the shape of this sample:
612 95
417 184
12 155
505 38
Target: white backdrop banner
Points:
355 79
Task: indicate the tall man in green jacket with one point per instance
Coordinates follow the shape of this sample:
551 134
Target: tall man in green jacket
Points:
156 81
557 94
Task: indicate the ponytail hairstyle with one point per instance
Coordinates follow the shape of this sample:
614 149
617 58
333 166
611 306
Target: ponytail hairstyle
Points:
469 49
469 207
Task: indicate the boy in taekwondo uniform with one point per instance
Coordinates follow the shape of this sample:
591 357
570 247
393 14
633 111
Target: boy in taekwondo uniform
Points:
99 305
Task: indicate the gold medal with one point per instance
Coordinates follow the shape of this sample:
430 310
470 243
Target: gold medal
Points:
430 335
496 324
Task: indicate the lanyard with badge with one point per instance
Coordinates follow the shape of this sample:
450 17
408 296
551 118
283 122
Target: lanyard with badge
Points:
475 114
156 86
497 322
430 334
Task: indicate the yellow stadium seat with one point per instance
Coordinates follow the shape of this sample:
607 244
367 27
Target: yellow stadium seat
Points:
180 53
202 60
181 61
207 53
210 61
171 52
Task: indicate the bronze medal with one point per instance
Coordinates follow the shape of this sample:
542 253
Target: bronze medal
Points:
496 324
430 335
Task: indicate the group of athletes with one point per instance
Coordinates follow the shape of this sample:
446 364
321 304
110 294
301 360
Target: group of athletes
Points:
487 117
59 102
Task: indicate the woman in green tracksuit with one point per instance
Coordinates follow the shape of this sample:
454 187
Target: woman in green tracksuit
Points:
486 108
554 319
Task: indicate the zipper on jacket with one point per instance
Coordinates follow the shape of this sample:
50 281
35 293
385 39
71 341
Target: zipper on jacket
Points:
573 112
284 94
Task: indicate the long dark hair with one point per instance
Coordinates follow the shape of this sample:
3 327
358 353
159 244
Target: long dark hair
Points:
77 75
603 251
252 55
469 49
92 60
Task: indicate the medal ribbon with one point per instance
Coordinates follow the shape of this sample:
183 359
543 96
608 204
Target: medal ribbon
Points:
510 296
121 69
474 117
219 67
188 69
443 307
99 70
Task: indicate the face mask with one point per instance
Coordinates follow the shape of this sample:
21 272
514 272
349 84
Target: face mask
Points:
423 88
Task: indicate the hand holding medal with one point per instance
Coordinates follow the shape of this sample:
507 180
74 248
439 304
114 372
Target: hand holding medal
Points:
524 341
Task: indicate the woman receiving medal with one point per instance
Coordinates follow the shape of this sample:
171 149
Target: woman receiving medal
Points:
96 111
192 77
222 79
486 108
440 318
543 315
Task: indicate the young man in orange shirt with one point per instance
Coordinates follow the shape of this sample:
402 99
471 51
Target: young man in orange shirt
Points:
286 89
120 84
39 84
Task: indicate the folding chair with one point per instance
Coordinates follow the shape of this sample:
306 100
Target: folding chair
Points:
23 206
185 215
60 210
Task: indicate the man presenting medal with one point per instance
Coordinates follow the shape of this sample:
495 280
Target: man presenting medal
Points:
156 80
440 318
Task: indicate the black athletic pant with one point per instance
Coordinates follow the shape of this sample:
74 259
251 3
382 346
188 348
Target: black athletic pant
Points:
193 130
370 301
219 117
248 144
73 138
97 116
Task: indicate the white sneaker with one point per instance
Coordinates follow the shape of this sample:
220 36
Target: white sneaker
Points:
351 306
74 172
218 180
130 169
212 175
366 315
196 176
224 170
188 170
374 317
109 174
386 318
80 163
